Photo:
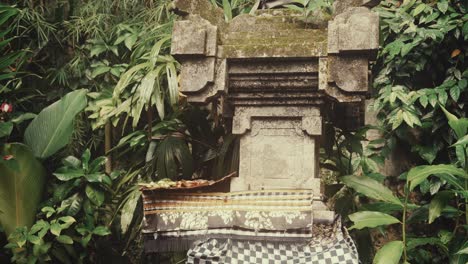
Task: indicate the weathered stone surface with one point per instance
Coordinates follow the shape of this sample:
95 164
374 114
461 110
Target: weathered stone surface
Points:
273 76
360 32
273 50
276 72
269 36
195 36
242 121
349 72
201 88
330 88
196 74
355 30
278 147
195 45
188 38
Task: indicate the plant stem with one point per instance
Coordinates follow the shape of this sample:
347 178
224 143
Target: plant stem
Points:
466 188
108 145
149 120
403 225
466 203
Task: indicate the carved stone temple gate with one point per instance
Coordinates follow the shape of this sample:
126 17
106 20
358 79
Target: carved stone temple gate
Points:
278 74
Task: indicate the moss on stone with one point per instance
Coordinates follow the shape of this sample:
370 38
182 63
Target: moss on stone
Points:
284 49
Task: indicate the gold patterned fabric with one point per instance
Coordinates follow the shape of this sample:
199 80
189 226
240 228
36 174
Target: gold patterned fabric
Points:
283 215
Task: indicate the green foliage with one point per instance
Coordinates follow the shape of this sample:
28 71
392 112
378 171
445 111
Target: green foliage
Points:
456 186
390 253
419 174
70 225
232 8
52 128
311 8
422 65
22 183
371 188
8 58
364 219
420 88
172 151
128 210
117 54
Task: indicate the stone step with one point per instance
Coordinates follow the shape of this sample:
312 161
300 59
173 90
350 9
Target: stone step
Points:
309 34
277 67
280 102
262 27
308 93
274 41
273 76
275 50
272 84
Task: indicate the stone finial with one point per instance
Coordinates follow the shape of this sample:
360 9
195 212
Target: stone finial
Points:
195 36
354 31
353 40
194 44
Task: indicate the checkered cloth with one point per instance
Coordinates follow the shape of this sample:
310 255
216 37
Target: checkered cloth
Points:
339 248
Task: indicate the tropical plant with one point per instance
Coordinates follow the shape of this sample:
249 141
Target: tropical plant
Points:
8 57
422 65
311 8
69 223
116 54
25 177
9 61
420 72
451 201
21 186
52 128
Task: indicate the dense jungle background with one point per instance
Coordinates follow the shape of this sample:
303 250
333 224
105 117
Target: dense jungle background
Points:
81 80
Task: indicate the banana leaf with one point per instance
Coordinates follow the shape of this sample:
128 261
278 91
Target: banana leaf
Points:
52 129
22 181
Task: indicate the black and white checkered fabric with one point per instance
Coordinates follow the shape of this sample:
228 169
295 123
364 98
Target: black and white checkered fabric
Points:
340 249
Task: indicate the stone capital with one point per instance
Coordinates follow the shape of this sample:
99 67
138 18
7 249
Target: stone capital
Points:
311 121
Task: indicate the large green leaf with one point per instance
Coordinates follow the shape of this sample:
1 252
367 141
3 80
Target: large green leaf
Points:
438 203
460 126
173 154
21 189
460 255
371 219
462 141
227 10
390 253
95 194
463 251
419 174
52 128
72 205
371 188
128 210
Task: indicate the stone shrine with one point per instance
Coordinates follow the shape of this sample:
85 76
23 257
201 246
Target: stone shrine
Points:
278 74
